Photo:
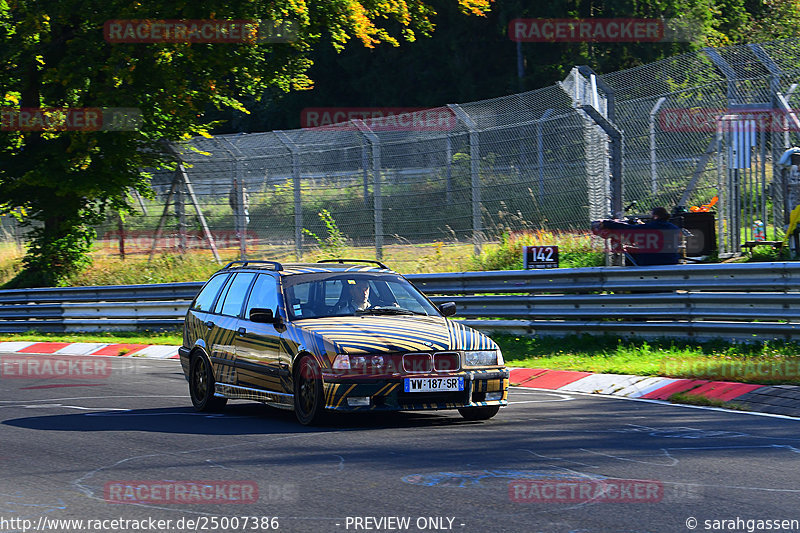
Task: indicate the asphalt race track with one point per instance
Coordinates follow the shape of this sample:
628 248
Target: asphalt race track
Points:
76 447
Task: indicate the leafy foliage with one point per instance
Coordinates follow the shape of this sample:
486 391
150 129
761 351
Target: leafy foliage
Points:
54 55
335 243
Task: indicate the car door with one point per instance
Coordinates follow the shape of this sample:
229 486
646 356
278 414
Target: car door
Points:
259 363
224 324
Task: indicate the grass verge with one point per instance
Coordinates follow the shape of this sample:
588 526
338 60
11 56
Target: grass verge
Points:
171 338
695 399
763 363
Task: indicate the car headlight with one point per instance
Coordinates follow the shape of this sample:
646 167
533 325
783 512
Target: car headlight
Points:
483 358
363 363
342 362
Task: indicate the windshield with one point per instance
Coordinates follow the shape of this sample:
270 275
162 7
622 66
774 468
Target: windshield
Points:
351 294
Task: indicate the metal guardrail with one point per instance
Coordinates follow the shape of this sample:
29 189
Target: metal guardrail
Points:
754 301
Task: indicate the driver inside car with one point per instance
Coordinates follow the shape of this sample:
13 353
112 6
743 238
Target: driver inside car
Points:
356 297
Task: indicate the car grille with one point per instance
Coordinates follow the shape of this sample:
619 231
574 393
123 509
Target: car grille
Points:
418 363
446 361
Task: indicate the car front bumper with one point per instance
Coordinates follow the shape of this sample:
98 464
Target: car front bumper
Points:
482 388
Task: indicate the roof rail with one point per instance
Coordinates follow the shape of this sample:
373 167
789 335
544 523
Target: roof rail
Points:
275 264
342 261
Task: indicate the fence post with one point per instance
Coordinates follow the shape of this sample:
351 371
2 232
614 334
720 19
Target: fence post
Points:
365 169
449 172
653 154
540 149
376 184
617 153
778 102
296 183
180 211
475 179
606 121
240 215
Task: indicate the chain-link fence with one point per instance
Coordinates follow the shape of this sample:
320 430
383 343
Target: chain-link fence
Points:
678 132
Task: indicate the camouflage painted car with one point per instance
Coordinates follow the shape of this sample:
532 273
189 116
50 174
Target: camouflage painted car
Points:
334 336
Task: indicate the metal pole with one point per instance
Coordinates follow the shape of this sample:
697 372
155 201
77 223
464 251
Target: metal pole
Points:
376 189
297 189
298 207
180 211
617 153
653 155
121 229
365 170
193 198
449 170
540 150
163 217
241 221
376 183
474 165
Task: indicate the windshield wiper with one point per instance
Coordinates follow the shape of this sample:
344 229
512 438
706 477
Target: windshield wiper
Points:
388 310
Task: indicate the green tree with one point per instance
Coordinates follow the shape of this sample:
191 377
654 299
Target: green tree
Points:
54 55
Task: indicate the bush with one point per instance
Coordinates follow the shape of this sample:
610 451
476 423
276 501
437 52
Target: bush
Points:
574 250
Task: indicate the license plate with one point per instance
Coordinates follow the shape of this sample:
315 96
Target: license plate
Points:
433 384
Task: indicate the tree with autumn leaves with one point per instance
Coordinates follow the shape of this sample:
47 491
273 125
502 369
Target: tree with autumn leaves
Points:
54 55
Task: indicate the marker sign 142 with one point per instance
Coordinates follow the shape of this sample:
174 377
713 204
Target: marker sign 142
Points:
540 256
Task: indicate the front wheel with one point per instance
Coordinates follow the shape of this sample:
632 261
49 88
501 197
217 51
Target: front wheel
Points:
308 399
201 386
479 413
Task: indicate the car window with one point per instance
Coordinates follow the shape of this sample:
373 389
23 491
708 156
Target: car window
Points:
316 295
407 297
234 298
264 295
333 291
221 299
205 299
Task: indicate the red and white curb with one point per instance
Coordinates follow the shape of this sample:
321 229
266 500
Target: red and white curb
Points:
150 351
651 388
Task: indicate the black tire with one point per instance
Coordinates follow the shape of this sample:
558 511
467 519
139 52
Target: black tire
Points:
479 413
201 386
308 398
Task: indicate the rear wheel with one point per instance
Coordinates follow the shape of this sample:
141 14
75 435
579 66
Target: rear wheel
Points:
308 399
201 386
479 413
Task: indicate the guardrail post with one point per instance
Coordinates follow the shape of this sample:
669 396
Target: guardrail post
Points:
475 179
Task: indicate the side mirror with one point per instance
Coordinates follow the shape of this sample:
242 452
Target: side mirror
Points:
448 308
266 316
